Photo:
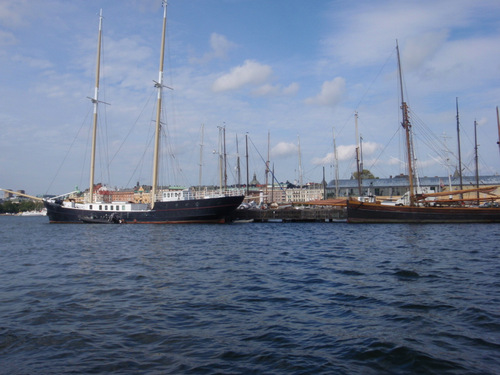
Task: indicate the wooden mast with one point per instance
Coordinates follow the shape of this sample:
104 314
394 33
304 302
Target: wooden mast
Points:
360 192
336 165
238 169
301 180
159 86
201 157
498 124
476 159
407 126
246 156
95 101
459 154
267 162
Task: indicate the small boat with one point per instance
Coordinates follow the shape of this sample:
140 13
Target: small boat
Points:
112 219
421 208
163 209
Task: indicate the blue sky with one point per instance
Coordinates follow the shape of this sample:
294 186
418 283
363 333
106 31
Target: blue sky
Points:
296 69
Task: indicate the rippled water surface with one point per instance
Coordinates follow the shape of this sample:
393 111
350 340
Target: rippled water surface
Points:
321 298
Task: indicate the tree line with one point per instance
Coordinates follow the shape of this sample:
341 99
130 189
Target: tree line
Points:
10 207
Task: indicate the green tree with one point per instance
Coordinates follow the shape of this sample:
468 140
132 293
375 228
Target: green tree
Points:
365 174
10 207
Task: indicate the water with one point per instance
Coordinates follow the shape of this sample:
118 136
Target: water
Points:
296 298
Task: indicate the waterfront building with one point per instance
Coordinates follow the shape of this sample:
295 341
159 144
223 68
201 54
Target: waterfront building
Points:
397 186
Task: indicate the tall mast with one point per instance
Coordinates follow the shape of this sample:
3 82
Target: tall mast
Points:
238 169
336 166
459 154
201 156
498 124
407 126
246 155
225 158
301 182
159 87
272 185
95 101
476 159
267 162
357 153
221 161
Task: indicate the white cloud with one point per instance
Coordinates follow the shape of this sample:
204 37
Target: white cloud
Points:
347 152
328 159
250 73
291 89
331 93
369 148
12 12
268 89
482 121
33 62
365 37
7 38
219 45
283 149
420 49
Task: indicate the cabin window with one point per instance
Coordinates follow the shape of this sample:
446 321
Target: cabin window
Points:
123 207
105 207
117 208
100 207
90 206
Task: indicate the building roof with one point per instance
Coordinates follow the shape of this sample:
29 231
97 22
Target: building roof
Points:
402 181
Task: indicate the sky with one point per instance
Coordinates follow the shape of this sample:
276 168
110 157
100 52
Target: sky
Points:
293 72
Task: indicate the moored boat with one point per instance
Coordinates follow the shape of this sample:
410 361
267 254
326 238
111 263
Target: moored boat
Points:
163 209
419 208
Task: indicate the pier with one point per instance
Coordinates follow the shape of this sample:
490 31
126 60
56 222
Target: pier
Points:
291 214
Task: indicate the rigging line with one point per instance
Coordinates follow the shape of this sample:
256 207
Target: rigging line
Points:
141 159
105 113
383 150
67 152
432 140
87 148
265 163
133 126
389 58
150 136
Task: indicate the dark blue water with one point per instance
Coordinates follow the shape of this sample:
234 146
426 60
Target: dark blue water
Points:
322 298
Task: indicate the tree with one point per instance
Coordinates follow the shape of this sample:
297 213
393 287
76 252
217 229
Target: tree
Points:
25 205
365 174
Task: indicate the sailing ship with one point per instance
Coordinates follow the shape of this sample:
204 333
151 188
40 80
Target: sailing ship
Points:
165 207
422 208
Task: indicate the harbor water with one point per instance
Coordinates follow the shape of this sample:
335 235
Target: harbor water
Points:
275 298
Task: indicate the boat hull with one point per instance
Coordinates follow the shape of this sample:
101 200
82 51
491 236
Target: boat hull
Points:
377 213
209 210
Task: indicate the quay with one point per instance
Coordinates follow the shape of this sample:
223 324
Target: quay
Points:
290 214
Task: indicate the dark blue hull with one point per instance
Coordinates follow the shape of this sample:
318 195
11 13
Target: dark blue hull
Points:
209 210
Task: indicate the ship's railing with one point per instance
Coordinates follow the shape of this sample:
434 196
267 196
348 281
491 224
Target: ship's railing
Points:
193 193
205 193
